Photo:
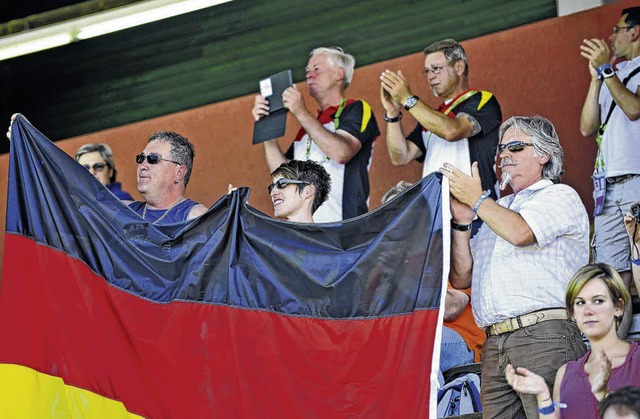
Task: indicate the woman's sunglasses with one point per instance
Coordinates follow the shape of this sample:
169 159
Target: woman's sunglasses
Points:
282 183
152 158
97 167
513 146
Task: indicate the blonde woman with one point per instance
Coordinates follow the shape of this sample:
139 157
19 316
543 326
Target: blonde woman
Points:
595 298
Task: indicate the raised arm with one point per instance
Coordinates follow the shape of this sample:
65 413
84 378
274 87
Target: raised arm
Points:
504 222
461 266
401 151
340 146
450 129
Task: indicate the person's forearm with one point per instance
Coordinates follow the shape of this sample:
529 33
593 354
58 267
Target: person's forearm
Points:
627 100
590 115
506 223
335 146
445 127
397 145
273 155
546 404
454 304
461 259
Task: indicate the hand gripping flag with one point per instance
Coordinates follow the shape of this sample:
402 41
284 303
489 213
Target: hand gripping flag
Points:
231 315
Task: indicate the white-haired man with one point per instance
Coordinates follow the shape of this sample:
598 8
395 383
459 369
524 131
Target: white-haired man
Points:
520 262
340 137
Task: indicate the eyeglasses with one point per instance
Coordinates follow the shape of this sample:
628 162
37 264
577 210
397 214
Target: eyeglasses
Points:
97 167
283 183
616 29
152 158
436 69
513 146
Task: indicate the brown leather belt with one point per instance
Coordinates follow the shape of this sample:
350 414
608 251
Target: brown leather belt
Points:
515 323
620 179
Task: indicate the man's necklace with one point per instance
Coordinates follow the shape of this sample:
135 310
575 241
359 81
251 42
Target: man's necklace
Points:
144 211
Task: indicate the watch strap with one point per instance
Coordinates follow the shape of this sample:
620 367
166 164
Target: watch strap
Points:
461 227
393 119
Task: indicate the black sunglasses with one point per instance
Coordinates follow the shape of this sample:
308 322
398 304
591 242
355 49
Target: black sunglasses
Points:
282 183
513 146
97 167
152 158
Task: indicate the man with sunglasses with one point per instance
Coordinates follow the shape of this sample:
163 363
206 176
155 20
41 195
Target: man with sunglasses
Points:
463 130
520 262
612 111
299 188
98 159
164 169
340 137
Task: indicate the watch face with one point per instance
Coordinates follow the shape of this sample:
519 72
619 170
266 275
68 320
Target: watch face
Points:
608 72
410 102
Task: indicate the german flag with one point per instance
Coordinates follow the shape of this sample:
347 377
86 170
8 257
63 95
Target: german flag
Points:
231 315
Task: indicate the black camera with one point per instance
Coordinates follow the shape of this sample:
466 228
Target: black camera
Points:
635 211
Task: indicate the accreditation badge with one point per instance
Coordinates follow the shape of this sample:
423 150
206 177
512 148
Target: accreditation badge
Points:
599 191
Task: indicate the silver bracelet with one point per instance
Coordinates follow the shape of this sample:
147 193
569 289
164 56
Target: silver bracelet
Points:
484 196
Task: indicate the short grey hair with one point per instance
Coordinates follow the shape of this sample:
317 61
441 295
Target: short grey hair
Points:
182 150
545 142
105 153
340 59
452 50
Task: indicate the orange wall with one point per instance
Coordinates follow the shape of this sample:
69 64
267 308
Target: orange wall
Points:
533 69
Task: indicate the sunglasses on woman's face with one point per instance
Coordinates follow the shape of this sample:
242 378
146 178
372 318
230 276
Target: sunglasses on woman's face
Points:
513 146
97 167
282 183
152 158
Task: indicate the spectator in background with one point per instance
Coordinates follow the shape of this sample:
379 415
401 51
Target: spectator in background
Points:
613 100
520 262
623 403
299 188
340 138
164 169
463 130
462 340
595 298
632 223
98 159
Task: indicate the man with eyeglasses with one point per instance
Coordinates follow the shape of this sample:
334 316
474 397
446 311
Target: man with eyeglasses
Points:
463 130
98 159
340 138
612 111
164 169
520 262
299 188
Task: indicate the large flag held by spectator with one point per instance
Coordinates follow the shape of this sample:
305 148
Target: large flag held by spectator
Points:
231 315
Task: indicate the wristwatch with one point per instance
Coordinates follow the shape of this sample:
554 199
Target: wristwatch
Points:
410 102
605 71
460 227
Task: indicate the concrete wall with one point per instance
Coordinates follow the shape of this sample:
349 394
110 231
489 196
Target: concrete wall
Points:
533 69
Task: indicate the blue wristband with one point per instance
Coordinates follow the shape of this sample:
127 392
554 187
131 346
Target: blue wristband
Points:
635 261
548 409
484 196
